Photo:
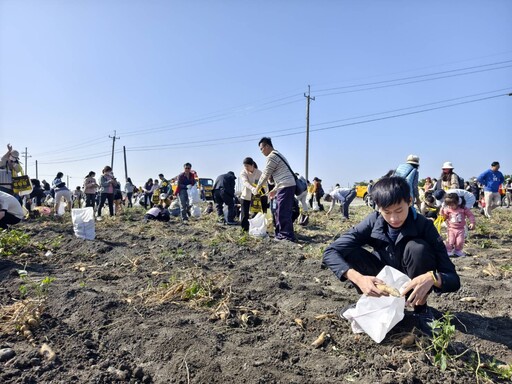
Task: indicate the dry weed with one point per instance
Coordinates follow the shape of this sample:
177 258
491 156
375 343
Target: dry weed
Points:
193 287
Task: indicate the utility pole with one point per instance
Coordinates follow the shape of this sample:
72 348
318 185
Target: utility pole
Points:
125 165
113 146
37 177
26 155
309 98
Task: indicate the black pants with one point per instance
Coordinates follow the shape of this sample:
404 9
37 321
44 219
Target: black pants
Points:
148 200
129 198
418 258
221 197
90 200
110 198
8 219
244 214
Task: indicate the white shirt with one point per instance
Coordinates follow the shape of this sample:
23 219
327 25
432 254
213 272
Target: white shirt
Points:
11 205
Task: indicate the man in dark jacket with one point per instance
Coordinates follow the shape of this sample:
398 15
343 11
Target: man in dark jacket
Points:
224 193
401 239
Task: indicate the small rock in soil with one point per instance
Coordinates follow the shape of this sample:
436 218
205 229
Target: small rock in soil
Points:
7 354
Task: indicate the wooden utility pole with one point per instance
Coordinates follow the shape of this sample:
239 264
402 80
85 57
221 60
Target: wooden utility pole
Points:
309 98
113 146
26 155
125 165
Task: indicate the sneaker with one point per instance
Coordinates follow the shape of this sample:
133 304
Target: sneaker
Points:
99 218
231 223
425 320
459 253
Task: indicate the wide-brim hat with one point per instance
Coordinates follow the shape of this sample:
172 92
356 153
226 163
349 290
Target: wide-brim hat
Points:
413 159
447 165
15 154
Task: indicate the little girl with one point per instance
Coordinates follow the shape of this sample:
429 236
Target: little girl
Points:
456 215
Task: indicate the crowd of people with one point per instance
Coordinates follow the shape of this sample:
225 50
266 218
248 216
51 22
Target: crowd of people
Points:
401 231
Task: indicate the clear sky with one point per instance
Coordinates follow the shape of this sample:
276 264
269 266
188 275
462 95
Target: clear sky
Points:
202 81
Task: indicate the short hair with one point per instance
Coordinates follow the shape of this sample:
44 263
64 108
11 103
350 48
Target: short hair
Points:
160 175
266 141
187 165
495 164
59 175
107 168
248 161
390 190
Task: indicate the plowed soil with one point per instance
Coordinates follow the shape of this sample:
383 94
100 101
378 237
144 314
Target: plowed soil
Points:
202 303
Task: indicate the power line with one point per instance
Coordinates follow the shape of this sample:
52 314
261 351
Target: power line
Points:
417 76
246 138
410 82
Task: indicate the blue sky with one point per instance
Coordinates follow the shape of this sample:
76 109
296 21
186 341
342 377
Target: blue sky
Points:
202 81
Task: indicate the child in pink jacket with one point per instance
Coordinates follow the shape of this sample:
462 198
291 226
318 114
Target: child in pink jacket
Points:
455 215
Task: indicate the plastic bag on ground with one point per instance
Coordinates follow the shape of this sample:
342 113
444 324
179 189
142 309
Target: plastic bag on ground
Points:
258 225
62 207
83 223
193 195
195 211
376 316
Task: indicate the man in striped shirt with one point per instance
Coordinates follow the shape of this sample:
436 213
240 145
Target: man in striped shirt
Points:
284 190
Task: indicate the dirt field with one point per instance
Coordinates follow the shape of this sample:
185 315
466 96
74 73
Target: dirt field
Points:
202 303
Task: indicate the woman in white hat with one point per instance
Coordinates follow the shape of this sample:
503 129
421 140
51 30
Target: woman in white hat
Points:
9 166
448 179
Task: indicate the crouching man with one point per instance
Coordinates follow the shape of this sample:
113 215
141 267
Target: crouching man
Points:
401 239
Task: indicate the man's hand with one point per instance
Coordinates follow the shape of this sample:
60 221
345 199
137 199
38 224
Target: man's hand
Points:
419 288
272 194
366 283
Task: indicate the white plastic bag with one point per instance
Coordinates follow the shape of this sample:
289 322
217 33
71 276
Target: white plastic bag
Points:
83 223
195 211
62 207
376 316
258 225
193 195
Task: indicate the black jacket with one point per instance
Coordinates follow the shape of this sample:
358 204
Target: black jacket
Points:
372 231
225 183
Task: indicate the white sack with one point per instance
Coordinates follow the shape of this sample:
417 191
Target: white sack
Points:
377 315
258 225
83 223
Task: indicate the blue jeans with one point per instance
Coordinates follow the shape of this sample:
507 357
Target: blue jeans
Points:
184 204
346 203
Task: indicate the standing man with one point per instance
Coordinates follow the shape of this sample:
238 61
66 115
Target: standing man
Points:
344 196
491 180
284 190
409 171
224 193
186 180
